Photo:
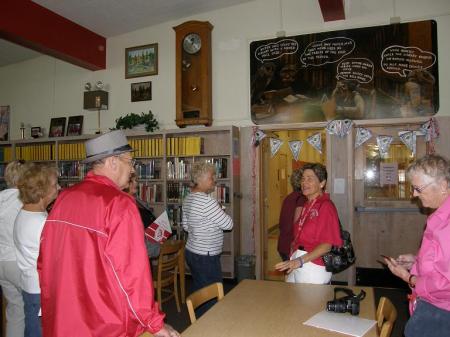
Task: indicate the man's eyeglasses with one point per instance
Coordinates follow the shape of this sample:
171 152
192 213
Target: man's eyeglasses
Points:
131 161
420 189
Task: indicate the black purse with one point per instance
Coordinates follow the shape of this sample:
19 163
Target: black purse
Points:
340 258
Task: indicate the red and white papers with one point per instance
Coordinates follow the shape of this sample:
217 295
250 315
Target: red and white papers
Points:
159 230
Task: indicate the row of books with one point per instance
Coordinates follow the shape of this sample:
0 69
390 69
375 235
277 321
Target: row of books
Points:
5 154
221 167
184 146
2 170
150 169
221 193
179 169
149 193
71 170
147 147
36 152
176 192
71 151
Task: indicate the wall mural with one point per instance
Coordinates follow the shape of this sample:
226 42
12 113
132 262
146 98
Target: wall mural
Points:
366 73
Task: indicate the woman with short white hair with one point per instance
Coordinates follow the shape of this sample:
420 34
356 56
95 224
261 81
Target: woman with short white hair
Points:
205 221
428 272
10 206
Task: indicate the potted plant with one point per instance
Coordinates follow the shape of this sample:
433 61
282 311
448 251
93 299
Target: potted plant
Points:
131 120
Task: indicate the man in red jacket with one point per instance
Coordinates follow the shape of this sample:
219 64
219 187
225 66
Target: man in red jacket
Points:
93 267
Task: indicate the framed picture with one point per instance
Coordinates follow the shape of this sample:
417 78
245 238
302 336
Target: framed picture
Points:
75 126
57 127
36 131
4 122
141 91
141 61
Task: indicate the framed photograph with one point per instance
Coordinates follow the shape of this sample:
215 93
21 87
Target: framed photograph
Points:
4 122
36 132
141 61
141 91
75 126
57 127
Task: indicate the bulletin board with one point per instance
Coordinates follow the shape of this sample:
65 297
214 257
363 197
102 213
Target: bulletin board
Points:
377 72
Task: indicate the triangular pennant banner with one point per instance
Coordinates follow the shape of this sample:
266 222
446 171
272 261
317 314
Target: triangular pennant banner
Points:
275 145
315 141
346 126
384 143
258 137
409 139
333 127
430 129
296 146
362 136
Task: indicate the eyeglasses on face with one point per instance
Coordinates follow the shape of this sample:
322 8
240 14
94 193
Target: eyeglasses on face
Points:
420 189
130 161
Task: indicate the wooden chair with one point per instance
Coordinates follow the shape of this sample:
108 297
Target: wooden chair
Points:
386 316
201 296
167 271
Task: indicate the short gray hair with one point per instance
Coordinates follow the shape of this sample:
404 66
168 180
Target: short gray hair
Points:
432 165
13 171
199 169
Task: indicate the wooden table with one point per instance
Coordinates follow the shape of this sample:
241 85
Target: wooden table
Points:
272 309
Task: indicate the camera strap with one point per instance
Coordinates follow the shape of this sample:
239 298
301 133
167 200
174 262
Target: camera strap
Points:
350 293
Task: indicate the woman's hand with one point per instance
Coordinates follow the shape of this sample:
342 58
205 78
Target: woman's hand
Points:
289 265
397 269
406 260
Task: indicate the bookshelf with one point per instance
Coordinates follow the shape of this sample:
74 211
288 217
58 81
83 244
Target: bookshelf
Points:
163 163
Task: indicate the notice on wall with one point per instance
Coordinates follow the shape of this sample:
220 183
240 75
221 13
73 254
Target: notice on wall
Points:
388 174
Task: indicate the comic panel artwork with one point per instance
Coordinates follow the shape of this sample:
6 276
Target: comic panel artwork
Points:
366 73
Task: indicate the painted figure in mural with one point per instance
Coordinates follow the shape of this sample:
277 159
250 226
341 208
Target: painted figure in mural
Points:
264 75
418 94
349 102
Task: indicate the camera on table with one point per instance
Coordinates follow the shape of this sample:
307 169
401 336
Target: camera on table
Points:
349 303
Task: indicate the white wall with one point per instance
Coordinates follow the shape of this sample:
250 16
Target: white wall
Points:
42 88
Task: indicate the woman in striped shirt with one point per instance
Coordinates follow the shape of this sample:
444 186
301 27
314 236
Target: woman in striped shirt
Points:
204 220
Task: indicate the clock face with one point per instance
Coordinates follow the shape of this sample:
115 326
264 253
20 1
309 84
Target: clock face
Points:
192 43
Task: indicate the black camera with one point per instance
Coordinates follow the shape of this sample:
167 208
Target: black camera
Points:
349 303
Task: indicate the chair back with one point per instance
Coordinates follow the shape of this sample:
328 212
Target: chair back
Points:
167 271
386 316
201 296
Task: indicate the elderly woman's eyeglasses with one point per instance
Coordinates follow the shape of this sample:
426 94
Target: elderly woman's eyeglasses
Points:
420 189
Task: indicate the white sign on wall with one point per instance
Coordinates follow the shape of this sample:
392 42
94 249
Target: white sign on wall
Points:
388 174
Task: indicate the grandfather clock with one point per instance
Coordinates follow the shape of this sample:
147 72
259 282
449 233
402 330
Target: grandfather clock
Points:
193 73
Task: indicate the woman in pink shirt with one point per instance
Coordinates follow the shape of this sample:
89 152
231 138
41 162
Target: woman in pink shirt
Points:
428 273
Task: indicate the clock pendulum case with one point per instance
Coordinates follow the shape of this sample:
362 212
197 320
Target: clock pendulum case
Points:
193 73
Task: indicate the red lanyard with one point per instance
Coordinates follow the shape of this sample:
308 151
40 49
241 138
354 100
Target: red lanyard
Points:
301 221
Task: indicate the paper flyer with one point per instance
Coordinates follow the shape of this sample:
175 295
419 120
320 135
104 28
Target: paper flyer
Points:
160 229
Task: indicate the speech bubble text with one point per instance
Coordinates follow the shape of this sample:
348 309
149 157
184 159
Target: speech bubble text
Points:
357 69
275 50
329 50
402 60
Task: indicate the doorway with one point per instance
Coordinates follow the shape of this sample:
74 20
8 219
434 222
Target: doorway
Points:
276 170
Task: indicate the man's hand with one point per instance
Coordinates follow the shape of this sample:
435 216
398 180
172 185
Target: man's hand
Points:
167 331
